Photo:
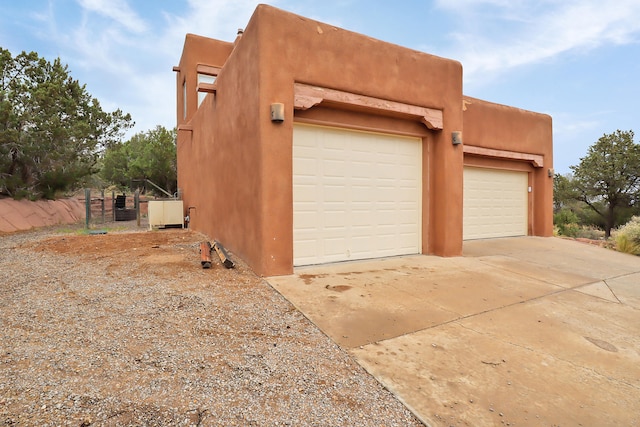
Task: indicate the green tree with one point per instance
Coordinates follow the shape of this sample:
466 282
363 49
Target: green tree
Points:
51 129
565 194
147 155
608 177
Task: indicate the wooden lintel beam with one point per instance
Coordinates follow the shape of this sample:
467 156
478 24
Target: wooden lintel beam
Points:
304 102
207 87
306 96
209 70
537 160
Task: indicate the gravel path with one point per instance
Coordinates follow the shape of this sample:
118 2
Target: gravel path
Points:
127 329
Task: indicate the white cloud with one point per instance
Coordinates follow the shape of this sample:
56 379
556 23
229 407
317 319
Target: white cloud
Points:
117 10
494 35
127 62
568 125
218 19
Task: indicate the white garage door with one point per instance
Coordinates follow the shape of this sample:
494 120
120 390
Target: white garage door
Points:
495 203
356 195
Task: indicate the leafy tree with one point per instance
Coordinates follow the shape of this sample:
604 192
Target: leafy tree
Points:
51 129
569 212
147 155
565 194
608 177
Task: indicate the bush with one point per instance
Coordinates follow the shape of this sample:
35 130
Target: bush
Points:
569 230
626 245
567 222
627 237
590 232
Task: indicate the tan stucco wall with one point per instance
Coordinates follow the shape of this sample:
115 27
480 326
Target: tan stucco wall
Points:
500 127
219 161
235 165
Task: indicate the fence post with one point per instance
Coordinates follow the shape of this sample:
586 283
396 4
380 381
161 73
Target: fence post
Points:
102 198
136 202
87 206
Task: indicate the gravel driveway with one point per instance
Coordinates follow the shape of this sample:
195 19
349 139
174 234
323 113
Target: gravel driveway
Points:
127 329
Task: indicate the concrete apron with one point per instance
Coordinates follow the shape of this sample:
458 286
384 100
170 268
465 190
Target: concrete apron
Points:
519 331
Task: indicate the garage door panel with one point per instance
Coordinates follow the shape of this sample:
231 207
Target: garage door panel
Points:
367 194
406 192
333 168
495 203
332 219
406 217
360 171
308 220
385 193
308 246
307 197
308 167
361 198
334 195
360 217
387 219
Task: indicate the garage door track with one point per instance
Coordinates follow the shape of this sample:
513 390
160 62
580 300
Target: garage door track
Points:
519 331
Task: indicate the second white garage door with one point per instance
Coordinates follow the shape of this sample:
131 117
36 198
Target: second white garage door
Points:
495 203
356 195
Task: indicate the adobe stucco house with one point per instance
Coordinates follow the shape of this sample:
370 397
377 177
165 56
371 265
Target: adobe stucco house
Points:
302 143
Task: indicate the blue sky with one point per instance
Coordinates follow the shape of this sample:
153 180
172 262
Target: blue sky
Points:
577 60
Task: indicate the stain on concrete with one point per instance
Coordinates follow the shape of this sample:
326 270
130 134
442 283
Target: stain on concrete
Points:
349 273
308 278
602 344
338 288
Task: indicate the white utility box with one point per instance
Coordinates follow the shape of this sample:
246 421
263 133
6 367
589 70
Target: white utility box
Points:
165 212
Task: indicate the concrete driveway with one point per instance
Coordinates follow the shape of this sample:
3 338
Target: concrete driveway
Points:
519 331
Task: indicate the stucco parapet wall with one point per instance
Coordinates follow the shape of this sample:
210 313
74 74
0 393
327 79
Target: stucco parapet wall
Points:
535 159
468 101
307 96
